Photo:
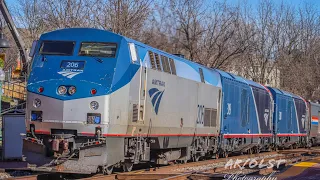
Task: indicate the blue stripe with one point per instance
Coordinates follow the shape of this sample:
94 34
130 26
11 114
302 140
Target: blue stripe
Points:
158 103
155 97
152 91
315 123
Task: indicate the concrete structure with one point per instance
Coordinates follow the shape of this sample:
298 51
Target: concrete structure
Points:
254 73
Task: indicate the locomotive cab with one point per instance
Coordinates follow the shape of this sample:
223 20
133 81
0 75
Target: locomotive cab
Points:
73 73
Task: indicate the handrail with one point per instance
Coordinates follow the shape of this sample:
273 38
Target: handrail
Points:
13 108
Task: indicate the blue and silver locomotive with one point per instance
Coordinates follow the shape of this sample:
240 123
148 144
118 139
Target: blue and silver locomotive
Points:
98 100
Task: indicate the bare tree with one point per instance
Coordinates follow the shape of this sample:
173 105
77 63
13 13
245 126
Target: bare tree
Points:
189 15
259 60
227 35
29 16
300 66
126 17
58 14
159 30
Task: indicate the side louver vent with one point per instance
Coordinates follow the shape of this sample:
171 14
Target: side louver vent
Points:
152 60
210 117
158 61
135 113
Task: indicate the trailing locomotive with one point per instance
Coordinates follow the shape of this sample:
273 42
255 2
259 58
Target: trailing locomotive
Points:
290 115
98 100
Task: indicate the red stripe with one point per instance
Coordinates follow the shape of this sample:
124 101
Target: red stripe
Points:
40 132
267 90
87 134
246 135
281 135
315 118
225 136
183 135
124 135
303 100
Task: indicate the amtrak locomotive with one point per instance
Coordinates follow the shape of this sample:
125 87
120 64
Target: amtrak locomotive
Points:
98 100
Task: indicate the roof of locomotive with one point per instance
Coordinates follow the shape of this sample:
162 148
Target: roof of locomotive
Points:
211 74
83 34
230 76
277 91
239 79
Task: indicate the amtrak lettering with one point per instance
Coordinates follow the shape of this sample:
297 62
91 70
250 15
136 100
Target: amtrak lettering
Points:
158 82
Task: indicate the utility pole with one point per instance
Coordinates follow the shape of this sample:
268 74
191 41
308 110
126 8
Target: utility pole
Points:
118 16
18 40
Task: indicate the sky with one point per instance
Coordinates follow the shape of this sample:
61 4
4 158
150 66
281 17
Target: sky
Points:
11 2
255 3
292 2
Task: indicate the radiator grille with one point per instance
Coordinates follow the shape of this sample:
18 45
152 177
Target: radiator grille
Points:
134 113
152 61
213 118
173 67
165 64
210 117
157 61
206 117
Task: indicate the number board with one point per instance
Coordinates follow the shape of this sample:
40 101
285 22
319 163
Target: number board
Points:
72 64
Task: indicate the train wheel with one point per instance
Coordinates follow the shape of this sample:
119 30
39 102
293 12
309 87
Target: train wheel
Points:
182 161
217 156
127 166
258 150
225 154
107 170
195 158
185 161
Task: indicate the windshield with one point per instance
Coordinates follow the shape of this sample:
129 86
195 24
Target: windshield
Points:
57 48
98 49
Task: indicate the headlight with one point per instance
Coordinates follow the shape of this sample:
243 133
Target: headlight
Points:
62 90
72 90
36 103
94 105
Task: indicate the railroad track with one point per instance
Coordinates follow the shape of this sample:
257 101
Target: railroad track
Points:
217 172
214 168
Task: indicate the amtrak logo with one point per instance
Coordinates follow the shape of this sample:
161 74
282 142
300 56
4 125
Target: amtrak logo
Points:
69 74
228 109
303 121
155 95
266 116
